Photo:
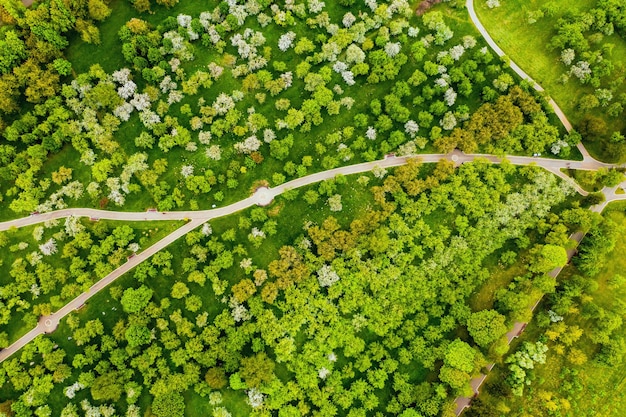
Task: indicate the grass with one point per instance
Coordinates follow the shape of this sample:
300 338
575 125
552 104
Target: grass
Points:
526 44
146 233
591 389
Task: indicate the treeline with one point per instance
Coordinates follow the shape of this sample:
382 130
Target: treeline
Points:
361 316
32 41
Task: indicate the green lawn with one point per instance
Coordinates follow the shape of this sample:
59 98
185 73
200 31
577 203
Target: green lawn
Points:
526 45
591 389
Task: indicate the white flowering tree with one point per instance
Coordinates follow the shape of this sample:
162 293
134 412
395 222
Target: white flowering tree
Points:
49 248
411 128
449 121
186 170
334 202
255 398
354 54
348 19
286 41
449 97
73 226
249 145
327 276
206 229
223 104
214 152
392 49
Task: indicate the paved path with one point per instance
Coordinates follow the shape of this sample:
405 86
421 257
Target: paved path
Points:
263 196
518 327
588 163
557 110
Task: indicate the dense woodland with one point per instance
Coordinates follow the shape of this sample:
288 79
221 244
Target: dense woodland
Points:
352 297
202 105
362 316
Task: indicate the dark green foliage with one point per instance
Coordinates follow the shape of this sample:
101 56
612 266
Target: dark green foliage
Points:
597 244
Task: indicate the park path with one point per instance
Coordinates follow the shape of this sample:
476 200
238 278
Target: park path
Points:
515 67
552 165
263 196
588 163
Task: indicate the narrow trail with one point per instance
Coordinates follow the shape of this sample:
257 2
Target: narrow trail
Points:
588 163
263 196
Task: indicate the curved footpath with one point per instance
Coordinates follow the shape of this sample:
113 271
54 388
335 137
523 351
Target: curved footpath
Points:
552 165
263 196
557 110
588 163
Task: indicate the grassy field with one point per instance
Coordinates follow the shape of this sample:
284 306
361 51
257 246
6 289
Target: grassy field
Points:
591 389
146 233
526 44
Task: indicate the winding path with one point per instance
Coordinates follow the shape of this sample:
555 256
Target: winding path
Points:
588 162
552 165
263 196
557 110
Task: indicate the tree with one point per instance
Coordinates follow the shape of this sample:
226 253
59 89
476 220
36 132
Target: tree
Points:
107 387
62 66
592 128
135 300
547 257
137 335
216 378
179 290
98 10
243 290
12 51
256 370
486 327
169 405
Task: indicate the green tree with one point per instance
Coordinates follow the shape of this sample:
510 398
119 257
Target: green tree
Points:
547 257
486 326
135 300
256 370
169 405
107 387
137 335
179 290
216 378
